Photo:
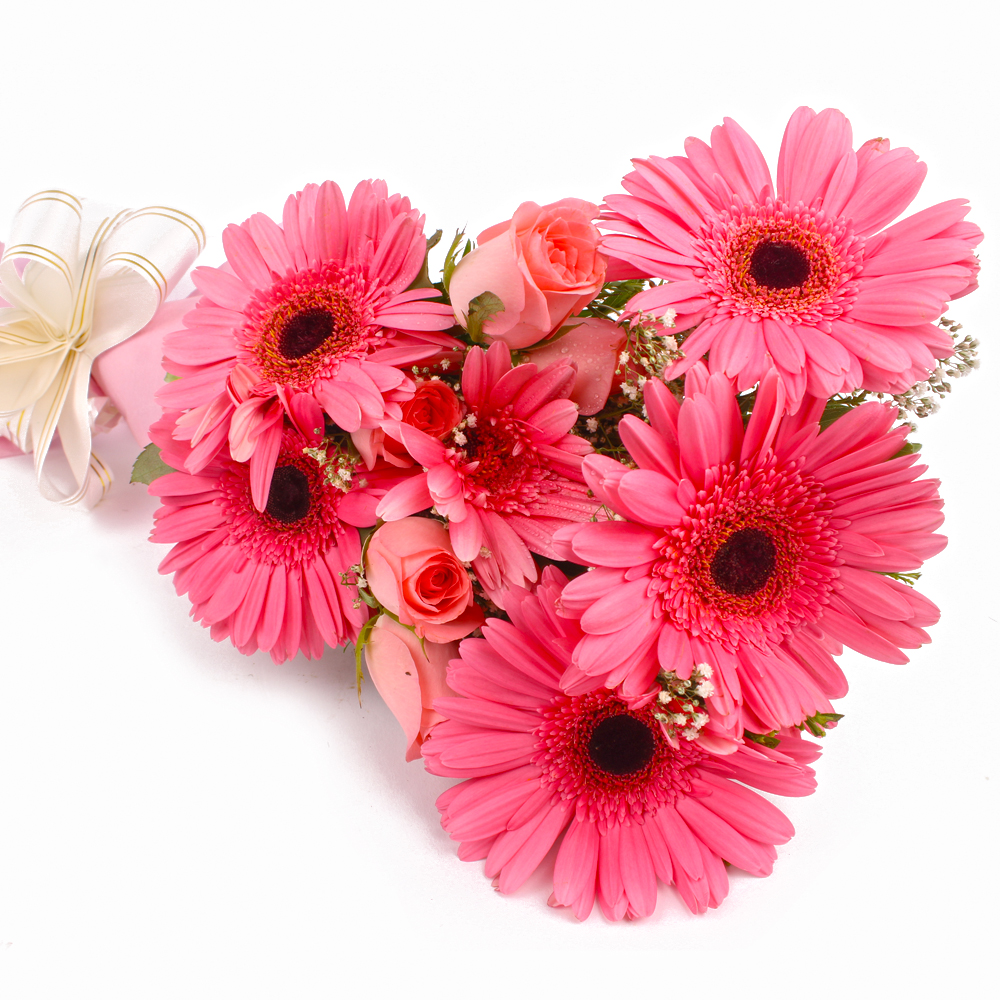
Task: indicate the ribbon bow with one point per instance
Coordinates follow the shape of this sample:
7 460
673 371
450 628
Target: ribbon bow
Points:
77 279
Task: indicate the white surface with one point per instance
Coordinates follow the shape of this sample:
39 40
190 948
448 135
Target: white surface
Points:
177 820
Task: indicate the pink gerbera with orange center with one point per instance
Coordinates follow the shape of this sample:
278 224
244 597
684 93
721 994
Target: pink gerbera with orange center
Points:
628 805
757 551
800 276
278 579
510 475
308 317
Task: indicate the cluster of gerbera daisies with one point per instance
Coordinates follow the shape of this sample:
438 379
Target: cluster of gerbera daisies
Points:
600 511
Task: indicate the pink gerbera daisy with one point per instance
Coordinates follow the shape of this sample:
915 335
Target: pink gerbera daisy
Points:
512 476
630 804
757 551
274 579
313 315
796 276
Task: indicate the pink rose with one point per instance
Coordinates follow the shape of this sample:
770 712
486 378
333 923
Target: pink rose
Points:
593 345
434 409
409 678
413 572
544 265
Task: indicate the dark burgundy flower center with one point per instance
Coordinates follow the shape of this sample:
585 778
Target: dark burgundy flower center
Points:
288 499
621 744
744 562
304 332
778 264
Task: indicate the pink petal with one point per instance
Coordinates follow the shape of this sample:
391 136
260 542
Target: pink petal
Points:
575 876
740 160
263 460
885 185
813 156
245 258
614 543
409 497
270 242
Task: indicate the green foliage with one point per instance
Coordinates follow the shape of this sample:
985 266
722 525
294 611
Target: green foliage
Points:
613 297
149 466
819 723
366 633
910 448
764 739
481 309
170 378
423 279
452 257
910 579
359 647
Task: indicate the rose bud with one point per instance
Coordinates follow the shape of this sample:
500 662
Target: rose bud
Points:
413 572
434 409
409 677
543 265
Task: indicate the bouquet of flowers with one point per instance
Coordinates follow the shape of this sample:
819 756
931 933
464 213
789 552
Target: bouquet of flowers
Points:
601 506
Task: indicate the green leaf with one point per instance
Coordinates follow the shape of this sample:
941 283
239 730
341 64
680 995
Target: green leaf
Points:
359 647
613 297
452 257
482 308
819 723
368 598
149 466
910 448
764 739
423 280
170 378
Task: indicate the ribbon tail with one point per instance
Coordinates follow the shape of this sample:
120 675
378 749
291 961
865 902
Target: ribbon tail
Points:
47 410
65 407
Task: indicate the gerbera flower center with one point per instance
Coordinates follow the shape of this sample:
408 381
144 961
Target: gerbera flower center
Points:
744 562
778 264
612 760
493 447
303 326
507 475
621 744
288 498
754 557
299 521
304 332
784 262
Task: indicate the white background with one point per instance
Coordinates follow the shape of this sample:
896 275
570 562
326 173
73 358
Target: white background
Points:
177 820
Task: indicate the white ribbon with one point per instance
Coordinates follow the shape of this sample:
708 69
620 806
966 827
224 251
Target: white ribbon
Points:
91 278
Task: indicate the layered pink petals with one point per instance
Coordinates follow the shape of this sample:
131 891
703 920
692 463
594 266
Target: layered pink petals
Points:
537 776
796 274
757 551
315 307
272 579
511 478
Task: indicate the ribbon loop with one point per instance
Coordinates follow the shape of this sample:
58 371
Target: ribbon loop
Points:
77 278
